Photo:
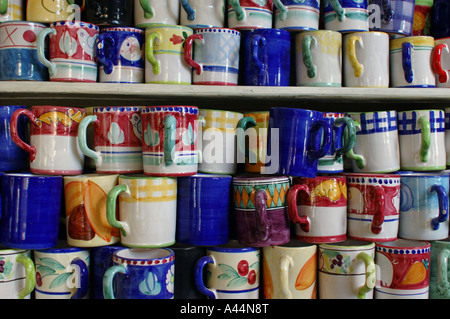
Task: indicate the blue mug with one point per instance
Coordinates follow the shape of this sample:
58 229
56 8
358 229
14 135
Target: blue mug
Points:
101 261
31 208
297 138
204 203
395 17
12 157
440 19
266 57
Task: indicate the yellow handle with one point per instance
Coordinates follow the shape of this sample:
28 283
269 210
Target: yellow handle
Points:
351 52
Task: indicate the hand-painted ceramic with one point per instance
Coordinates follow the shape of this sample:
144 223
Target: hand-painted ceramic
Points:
447 135
346 270
117 139
422 140
422 17
72 54
293 15
289 271
148 12
140 274
62 273
12 10
424 206
101 261
439 269
440 23
233 272
403 270
267 56
53 148
169 140
198 14
297 139
18 275
213 53
255 150
46 11
346 15
85 209
25 193
441 62
395 17
373 206
18 52
120 54
260 209
110 13
250 14
204 206
318 208
147 210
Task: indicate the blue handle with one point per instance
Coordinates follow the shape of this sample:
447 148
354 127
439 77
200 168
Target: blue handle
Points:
84 279
198 276
406 61
443 206
104 53
256 42
187 7
320 150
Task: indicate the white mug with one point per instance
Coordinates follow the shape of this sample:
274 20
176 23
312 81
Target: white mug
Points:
447 135
245 14
148 12
296 15
197 14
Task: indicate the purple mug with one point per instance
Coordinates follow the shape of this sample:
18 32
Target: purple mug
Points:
261 211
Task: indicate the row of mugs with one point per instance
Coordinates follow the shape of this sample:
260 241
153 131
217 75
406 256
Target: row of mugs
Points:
401 269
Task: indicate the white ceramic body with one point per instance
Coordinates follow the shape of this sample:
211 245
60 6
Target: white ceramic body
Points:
326 53
256 16
354 19
369 65
164 11
447 135
299 17
15 11
13 278
208 13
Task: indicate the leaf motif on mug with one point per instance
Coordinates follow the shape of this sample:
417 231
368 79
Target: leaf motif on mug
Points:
151 137
68 44
136 122
115 134
150 285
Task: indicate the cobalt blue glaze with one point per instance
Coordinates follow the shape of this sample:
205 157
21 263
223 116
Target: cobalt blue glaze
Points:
440 23
101 260
21 64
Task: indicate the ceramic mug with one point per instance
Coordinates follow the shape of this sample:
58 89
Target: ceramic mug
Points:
18 275
148 12
164 54
260 209
120 55
376 147
440 26
147 210
23 193
424 206
373 206
447 135
289 271
299 149
346 15
117 139
257 146
109 13
318 208
169 140
233 272
85 207
439 274
12 10
293 15
366 59
411 63
101 261
441 62
214 57
53 147
422 140
422 17
62 273
266 57
18 52
198 14
72 55
395 17
403 269
45 11
248 14
140 274
346 270
319 58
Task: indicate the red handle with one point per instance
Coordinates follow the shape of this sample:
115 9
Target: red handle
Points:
292 206
437 62
378 216
188 52
15 136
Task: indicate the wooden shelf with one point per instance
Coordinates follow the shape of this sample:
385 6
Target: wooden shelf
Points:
240 98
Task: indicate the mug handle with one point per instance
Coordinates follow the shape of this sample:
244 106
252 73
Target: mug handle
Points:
443 206
437 62
282 8
340 12
388 13
188 52
82 138
369 283
286 262
406 61
442 264
84 279
187 7
170 125
201 124
254 48
351 54
111 204
108 279
30 275
3 6
359 159
311 69
105 59
378 216
149 55
327 138
198 277
425 133
292 195
148 11
350 136
244 124
240 13
262 222
30 149
40 46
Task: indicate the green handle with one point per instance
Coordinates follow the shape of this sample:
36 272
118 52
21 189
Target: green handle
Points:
340 12
108 278
111 201
40 46
282 8
244 124
30 275
170 125
349 138
240 13
82 137
369 283
360 162
3 6
442 276
148 11
307 55
149 55
425 138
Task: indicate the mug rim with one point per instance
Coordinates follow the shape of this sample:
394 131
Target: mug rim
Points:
124 255
401 243
70 23
30 175
33 23
258 180
348 244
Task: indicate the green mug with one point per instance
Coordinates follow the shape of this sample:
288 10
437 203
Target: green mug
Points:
439 269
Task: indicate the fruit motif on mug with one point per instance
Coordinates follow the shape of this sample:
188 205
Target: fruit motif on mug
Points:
244 274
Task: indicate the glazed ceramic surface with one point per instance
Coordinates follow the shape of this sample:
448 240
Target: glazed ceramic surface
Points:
101 261
440 25
148 12
202 13
250 14
346 15
108 13
439 269
395 17
441 62
12 10
18 275
48 11
295 15
257 147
